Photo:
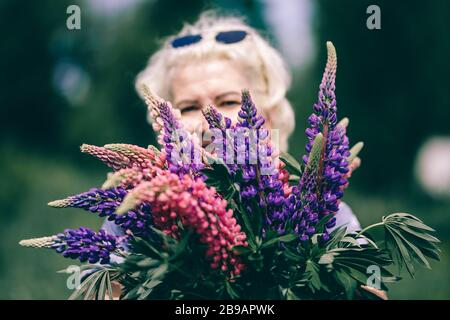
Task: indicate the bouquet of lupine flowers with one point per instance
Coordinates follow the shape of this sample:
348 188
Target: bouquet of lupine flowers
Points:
235 219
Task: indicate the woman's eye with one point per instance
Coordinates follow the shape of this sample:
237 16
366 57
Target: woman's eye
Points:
228 103
188 109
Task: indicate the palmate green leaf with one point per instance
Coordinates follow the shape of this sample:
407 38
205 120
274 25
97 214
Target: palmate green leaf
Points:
350 241
349 266
312 270
336 237
347 261
409 242
109 289
424 236
91 289
105 288
346 281
292 165
413 251
96 285
79 293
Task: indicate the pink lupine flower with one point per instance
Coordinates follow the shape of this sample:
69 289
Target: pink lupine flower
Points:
138 156
132 164
173 199
120 156
283 176
112 159
128 177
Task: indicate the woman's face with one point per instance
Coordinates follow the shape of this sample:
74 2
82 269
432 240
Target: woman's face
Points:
215 82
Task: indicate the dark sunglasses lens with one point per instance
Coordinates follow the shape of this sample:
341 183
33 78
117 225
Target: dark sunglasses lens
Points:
186 40
231 36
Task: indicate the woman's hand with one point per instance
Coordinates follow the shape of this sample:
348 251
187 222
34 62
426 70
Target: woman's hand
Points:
379 293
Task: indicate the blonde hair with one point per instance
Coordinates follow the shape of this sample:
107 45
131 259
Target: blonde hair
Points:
267 71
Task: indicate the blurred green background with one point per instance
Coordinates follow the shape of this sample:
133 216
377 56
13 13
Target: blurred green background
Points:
62 88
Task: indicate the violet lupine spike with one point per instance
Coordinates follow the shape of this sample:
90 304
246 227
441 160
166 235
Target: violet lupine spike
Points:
112 159
301 206
214 118
248 115
260 174
331 172
173 141
104 203
82 244
222 134
182 150
152 101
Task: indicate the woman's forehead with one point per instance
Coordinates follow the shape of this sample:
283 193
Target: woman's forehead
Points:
213 80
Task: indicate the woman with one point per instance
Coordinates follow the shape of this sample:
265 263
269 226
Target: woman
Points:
210 62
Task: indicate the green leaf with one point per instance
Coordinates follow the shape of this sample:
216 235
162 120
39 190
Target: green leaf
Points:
417 252
403 253
424 236
408 241
351 241
315 154
241 249
336 236
313 271
219 177
231 291
102 288
109 287
290 295
347 282
84 285
292 165
291 255
284 238
91 291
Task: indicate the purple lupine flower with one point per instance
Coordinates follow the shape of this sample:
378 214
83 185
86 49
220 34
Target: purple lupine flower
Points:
86 245
302 206
260 186
222 133
263 176
104 203
182 154
320 191
83 244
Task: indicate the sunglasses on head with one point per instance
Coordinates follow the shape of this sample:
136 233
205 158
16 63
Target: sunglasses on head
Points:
225 37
